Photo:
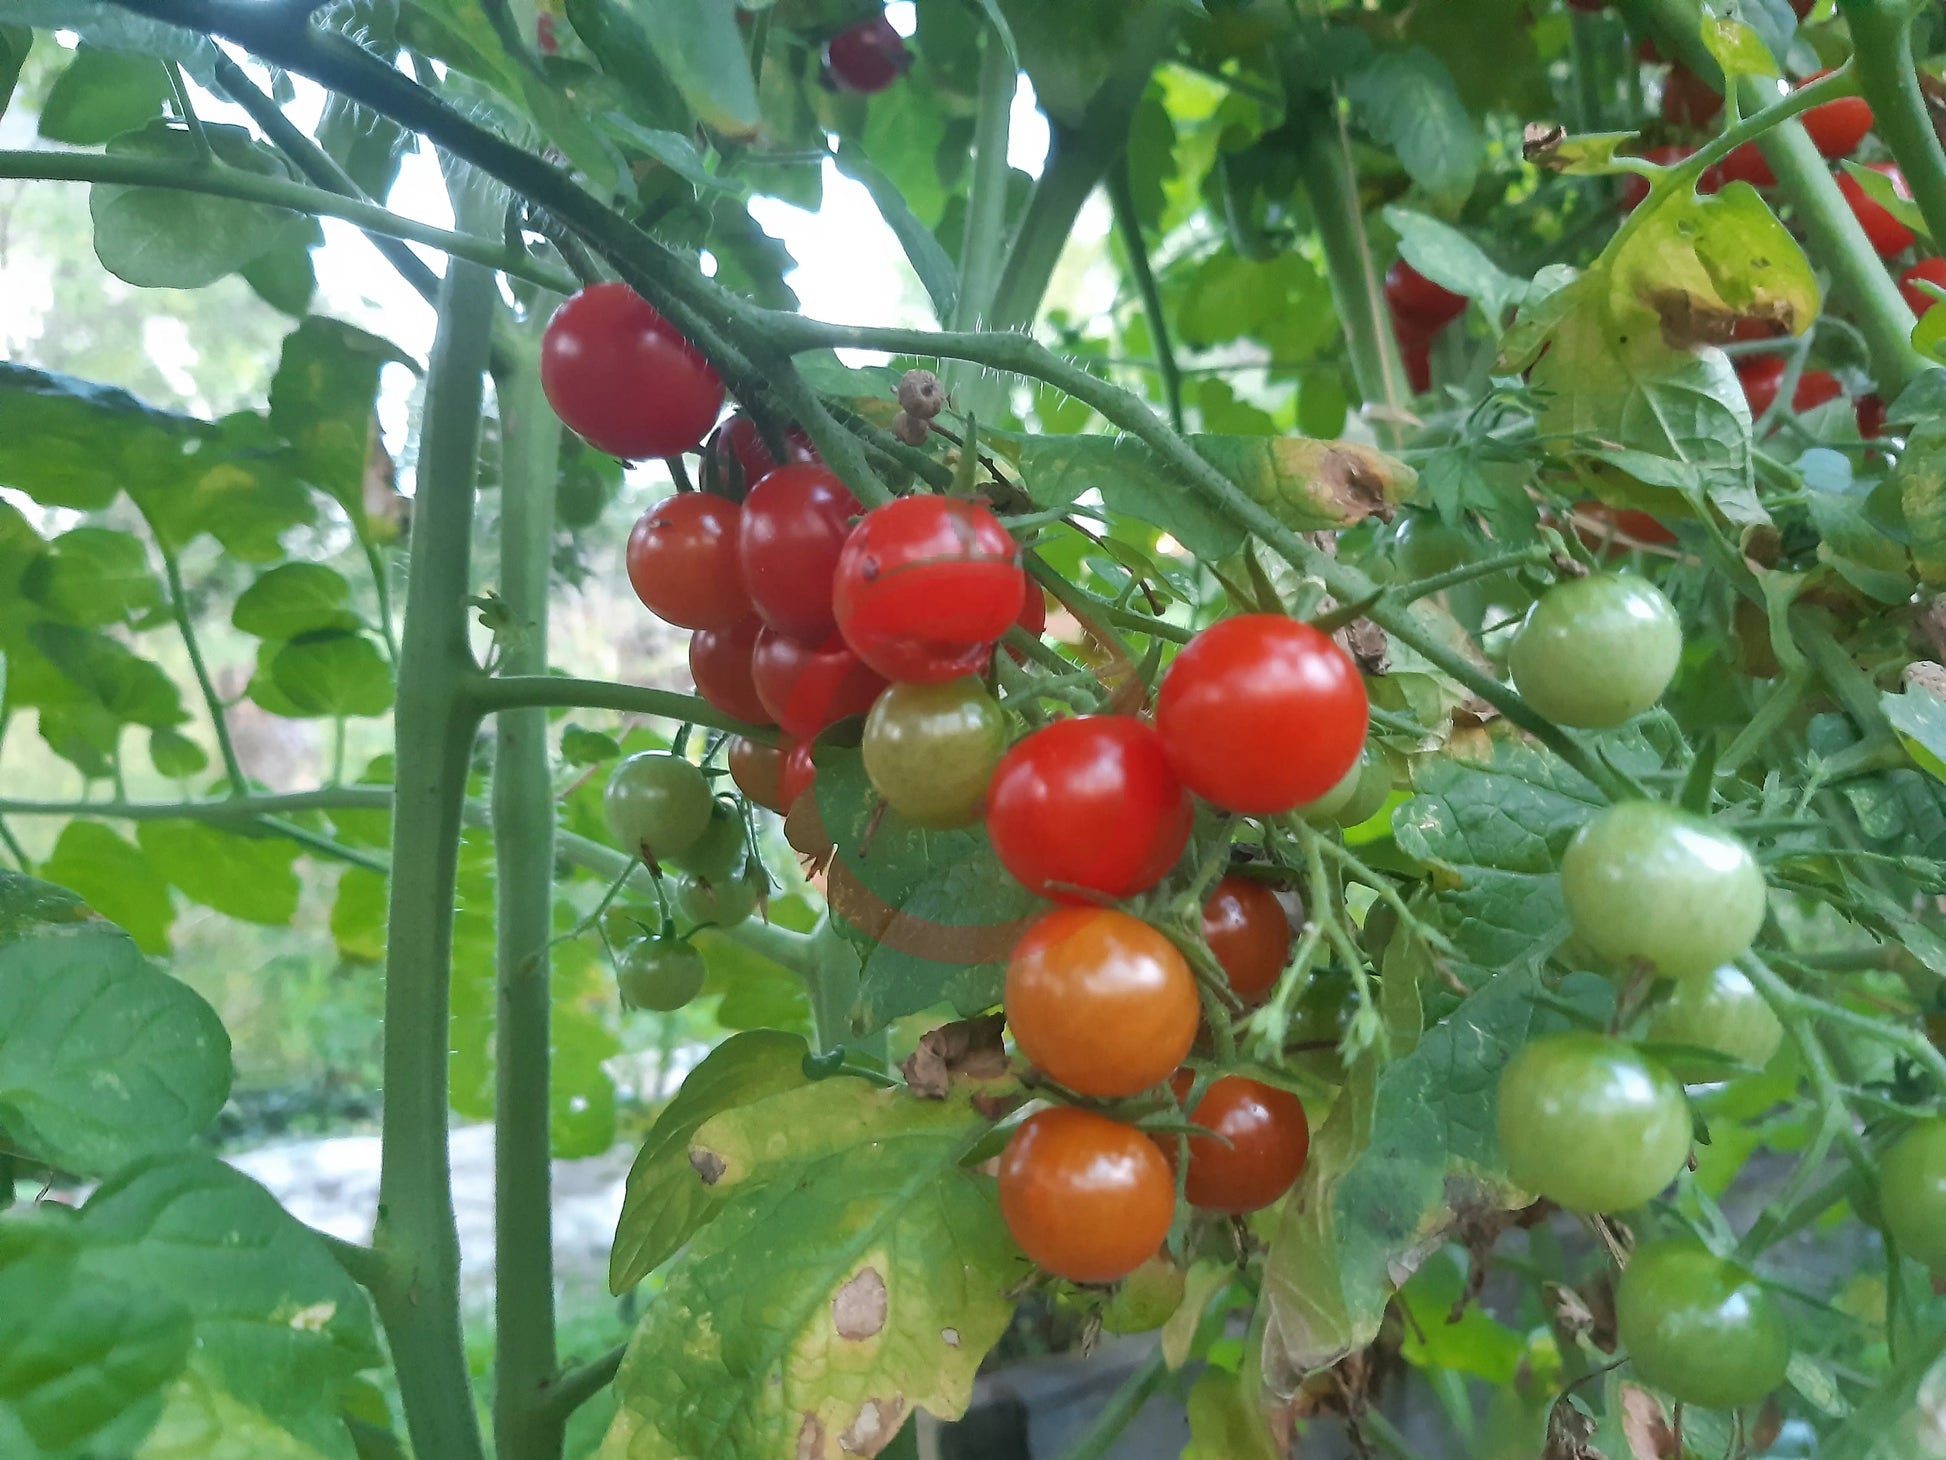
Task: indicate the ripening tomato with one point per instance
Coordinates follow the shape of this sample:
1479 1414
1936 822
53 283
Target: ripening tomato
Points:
1761 378
1596 652
806 688
1088 1199
1887 234
1700 1327
758 772
1256 1148
1838 126
1033 617
720 852
682 562
797 775
620 376
930 750
795 522
1688 100
1249 934
1261 713
743 458
867 58
720 664
1912 1192
1100 1001
925 585
1413 296
1747 165
1087 809
1928 271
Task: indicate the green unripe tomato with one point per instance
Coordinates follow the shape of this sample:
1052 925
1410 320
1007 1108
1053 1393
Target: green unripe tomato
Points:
1912 1192
1721 1010
1597 651
1700 1327
658 973
717 855
723 904
1327 809
1320 1019
658 804
1369 796
930 750
1145 1299
1645 881
1590 1124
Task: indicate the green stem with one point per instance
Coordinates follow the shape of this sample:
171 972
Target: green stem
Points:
548 691
983 243
1121 194
1074 165
526 1426
273 192
434 725
186 109
230 808
179 607
578 1385
1888 78
1533 557
382 586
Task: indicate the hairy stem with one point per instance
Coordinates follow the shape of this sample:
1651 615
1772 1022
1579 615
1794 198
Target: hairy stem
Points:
983 243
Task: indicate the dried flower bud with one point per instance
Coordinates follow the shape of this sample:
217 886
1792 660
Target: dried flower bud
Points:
911 429
920 395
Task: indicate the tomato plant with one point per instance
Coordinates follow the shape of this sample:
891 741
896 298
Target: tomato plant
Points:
722 665
795 522
683 565
1084 1197
1912 1192
1719 1010
657 804
930 750
1597 651
805 688
1258 1139
617 373
658 974
1249 935
1699 1326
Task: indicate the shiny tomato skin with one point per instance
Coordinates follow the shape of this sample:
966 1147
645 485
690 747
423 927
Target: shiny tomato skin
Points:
1887 234
1261 713
1267 1136
1100 1001
1413 296
737 445
1688 100
867 58
1930 271
1912 1192
930 750
720 662
796 776
805 688
758 771
1249 934
795 522
683 564
924 587
1088 809
1838 126
1086 1198
1700 1327
620 376
1596 651
1415 353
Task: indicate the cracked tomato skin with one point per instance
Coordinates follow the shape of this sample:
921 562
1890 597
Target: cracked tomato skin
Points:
1700 1327
1087 1198
1258 1144
1088 809
622 378
1101 1001
795 522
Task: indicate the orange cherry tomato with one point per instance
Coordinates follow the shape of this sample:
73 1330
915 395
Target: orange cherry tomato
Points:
1088 1199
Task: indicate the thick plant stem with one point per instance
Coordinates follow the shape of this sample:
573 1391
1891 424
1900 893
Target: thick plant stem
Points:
525 1425
983 243
1121 194
434 725
179 606
1881 34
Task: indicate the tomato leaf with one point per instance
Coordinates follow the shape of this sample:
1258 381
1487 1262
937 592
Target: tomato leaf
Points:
321 400
702 50
331 673
118 881
293 599
1406 101
93 576
71 443
249 878
102 94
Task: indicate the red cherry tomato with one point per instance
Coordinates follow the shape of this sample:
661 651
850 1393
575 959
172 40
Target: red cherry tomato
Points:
1838 126
758 771
805 688
544 38
1688 100
796 776
795 522
1762 377
1887 234
1268 1139
1929 271
1870 410
1412 295
1087 809
620 376
1260 714
738 441
1415 352
867 58
720 664
1746 164
1249 934
924 587
683 562
1088 1199
1814 388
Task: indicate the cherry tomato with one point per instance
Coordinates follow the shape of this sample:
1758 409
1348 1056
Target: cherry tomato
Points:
930 750
1590 1124
1360 792
795 522
867 58
1086 1198
1088 808
1260 714
1870 411
1838 126
1912 1192
720 904
718 854
1248 934
1255 1152
743 458
619 375
806 689
1719 1010
1413 296
1595 652
925 585
683 564
658 804
658 973
1747 165
1101 1001
1887 234
1930 271
720 662
1699 1327
1761 378
1688 100
758 771
1033 618
797 776
1646 882
1415 353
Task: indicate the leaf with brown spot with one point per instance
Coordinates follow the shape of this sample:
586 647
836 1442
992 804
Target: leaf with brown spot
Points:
1570 1433
858 1308
971 1049
1646 1427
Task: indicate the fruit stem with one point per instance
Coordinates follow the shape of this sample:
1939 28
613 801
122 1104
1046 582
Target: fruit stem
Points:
1888 79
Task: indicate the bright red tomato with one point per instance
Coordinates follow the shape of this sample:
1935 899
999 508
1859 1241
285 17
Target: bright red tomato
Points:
1415 351
1762 377
1887 234
1249 933
804 689
1688 100
1929 271
1413 296
1746 164
1087 809
1261 713
758 771
1088 1199
796 776
621 377
1838 126
683 563
738 442
795 522
1267 1136
924 587
720 664
867 58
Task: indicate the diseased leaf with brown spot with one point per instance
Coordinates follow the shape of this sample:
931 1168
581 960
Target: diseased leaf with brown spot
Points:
858 1308
1570 1433
972 1049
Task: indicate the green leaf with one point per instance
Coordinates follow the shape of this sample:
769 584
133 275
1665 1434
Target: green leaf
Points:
702 50
664 1204
104 24
854 1271
102 1059
130 688
164 238
321 400
117 881
754 992
282 274
1919 717
1475 1344
332 674
922 249
1284 303
1738 49
241 489
294 599
83 734
1881 190
625 54
94 576
1453 261
581 747
677 153
249 878
1406 100
1072 50
1695 265
30 907
102 94
358 916
174 754
15 42
71 443
1922 493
